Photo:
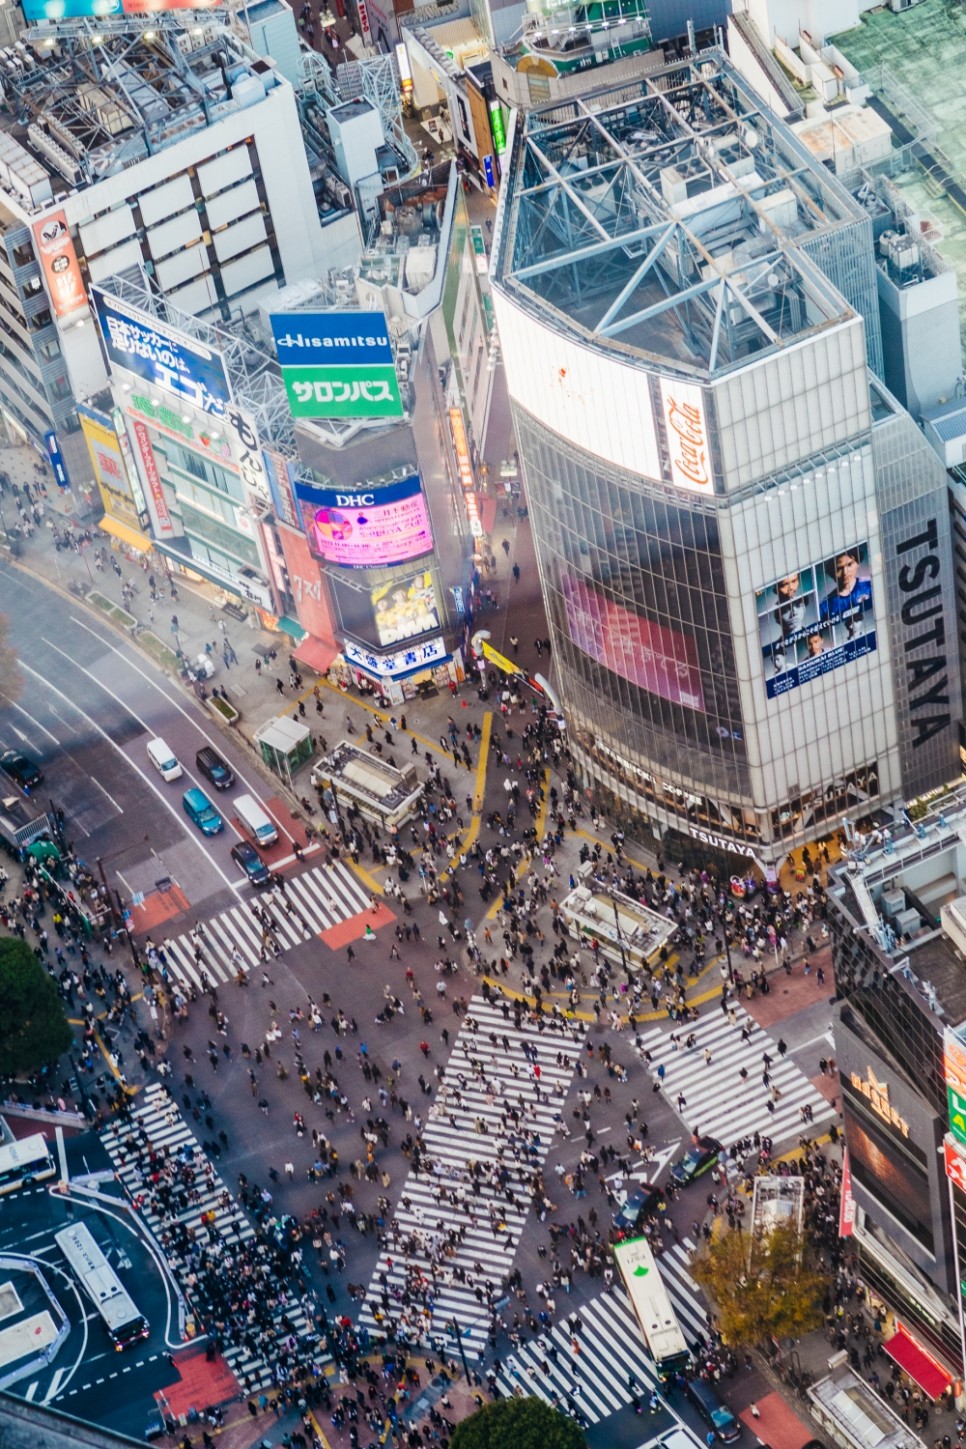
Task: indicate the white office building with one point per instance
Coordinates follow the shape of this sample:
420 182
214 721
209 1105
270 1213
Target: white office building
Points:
172 149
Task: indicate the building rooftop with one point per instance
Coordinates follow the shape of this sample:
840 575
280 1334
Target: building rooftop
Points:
82 103
907 59
668 218
859 1416
901 884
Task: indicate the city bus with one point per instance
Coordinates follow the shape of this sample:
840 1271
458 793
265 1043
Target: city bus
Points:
26 1161
120 1315
652 1307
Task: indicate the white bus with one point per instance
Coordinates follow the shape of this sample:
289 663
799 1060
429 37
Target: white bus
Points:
652 1307
26 1161
119 1313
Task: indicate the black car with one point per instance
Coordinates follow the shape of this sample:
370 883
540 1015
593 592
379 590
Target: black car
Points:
700 1157
251 863
636 1207
21 769
214 768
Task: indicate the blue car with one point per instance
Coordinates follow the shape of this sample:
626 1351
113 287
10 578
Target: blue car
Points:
201 812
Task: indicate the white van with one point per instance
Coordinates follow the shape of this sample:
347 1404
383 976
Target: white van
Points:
255 821
164 760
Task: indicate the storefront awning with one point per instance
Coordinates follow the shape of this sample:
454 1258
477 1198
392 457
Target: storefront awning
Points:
316 653
125 533
292 627
921 1367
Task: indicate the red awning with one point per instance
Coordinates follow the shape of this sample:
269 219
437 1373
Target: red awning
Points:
316 653
921 1367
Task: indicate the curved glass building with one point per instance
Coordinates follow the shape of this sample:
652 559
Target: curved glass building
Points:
743 539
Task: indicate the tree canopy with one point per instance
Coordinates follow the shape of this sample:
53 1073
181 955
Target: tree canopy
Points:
518 1424
34 1027
763 1287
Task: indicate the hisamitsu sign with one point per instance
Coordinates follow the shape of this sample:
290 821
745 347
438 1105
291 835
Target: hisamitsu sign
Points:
331 338
337 364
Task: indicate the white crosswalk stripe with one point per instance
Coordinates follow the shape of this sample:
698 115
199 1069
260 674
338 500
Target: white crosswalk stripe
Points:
169 1134
440 1198
318 899
598 1379
718 1101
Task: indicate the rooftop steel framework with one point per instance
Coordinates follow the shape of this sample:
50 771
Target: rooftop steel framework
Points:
671 217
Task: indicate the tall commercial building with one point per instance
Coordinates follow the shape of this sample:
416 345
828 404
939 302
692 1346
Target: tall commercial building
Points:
176 151
743 539
897 916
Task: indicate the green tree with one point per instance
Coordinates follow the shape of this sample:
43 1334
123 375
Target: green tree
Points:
33 1027
766 1286
11 679
518 1424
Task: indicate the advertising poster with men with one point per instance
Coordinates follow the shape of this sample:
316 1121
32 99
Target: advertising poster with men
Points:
816 619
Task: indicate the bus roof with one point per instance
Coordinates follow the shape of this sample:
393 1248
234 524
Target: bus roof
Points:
22 1153
649 1299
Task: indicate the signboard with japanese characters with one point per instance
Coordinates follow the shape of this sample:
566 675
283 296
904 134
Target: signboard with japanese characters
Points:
161 355
402 662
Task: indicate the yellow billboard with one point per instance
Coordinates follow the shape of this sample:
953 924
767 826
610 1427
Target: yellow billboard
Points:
109 471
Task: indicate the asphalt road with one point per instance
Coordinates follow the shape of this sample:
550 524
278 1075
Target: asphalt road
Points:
88 1378
89 706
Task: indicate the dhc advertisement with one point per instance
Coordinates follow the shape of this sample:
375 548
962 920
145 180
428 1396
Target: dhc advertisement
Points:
367 527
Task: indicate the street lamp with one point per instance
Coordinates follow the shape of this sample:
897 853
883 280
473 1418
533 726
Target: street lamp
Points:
454 1328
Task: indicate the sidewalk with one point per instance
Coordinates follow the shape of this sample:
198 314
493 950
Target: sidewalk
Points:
201 621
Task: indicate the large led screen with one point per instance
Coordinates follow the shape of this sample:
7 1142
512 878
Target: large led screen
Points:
367 528
816 619
404 609
650 655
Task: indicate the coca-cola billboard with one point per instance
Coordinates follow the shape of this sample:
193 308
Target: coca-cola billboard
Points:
687 436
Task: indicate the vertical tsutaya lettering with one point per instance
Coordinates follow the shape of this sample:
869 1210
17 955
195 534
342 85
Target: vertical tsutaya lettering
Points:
917 608
688 446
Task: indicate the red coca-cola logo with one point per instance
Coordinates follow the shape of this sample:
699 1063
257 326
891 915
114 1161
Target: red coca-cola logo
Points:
689 452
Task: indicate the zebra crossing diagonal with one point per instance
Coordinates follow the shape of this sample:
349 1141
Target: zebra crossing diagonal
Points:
169 1135
718 1101
310 904
455 1231
612 1367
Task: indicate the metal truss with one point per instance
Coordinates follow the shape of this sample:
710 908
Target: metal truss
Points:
79 77
254 375
668 213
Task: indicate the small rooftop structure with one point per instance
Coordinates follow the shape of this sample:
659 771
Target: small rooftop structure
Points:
626 929
776 1200
80 103
284 744
352 778
855 1415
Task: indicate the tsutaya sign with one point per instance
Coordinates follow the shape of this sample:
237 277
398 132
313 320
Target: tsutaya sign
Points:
687 436
876 1094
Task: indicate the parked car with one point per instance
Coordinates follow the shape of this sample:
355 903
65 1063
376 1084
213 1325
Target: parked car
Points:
251 863
24 771
700 1157
636 1207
